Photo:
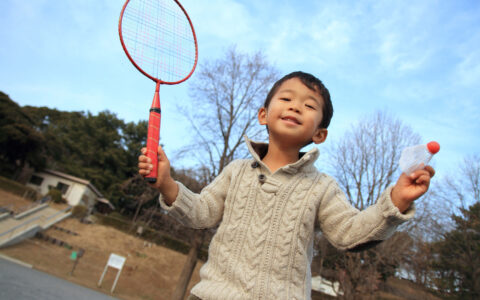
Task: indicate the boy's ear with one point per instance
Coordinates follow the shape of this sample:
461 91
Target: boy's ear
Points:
262 116
320 136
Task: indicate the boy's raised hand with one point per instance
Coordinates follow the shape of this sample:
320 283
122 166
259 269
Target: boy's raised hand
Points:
165 183
410 187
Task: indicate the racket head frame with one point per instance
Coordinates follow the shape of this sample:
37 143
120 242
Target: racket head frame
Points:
157 80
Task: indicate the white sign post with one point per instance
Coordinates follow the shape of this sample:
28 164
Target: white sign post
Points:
114 261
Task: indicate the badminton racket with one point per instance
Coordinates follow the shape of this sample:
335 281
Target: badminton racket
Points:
159 40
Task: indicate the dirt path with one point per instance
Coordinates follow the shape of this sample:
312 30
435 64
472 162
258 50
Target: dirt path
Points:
13 202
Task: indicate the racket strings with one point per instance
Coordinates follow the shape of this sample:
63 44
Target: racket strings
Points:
159 38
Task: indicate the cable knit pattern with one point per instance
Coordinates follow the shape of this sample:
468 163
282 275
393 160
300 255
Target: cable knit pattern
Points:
264 244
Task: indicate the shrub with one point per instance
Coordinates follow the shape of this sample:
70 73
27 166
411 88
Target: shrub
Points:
56 196
79 211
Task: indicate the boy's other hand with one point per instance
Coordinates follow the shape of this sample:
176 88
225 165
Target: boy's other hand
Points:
410 187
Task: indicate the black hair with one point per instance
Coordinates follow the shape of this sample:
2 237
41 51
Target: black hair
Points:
312 83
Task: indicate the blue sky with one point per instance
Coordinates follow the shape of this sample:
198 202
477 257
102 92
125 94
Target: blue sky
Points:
420 60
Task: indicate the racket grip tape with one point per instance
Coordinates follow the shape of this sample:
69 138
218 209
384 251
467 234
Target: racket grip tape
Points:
152 143
153 137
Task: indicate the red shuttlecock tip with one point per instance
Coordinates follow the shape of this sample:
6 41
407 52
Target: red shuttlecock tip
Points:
433 147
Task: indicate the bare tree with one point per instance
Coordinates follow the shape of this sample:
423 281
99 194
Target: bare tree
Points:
226 95
462 189
365 163
137 188
365 160
454 192
471 172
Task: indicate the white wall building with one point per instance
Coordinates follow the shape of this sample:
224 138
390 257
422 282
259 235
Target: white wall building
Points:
325 286
76 191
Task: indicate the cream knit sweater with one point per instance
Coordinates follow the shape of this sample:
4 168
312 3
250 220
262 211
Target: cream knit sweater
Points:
264 243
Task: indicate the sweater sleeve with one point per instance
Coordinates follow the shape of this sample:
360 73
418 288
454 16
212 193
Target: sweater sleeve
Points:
202 210
347 228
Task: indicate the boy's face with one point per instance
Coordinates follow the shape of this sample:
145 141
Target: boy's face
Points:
294 114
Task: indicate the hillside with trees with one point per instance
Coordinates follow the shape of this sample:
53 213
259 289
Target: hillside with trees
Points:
101 148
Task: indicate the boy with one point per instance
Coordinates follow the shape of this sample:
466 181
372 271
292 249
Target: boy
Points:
268 206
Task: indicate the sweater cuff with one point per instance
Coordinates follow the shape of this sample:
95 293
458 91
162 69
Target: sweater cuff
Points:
182 204
391 212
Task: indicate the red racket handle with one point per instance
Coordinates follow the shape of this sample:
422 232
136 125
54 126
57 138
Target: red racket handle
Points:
154 134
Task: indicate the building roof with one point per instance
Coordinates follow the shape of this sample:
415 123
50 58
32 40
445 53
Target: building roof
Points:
75 179
105 201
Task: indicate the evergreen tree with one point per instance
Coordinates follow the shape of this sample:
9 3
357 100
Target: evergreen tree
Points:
457 256
20 144
100 148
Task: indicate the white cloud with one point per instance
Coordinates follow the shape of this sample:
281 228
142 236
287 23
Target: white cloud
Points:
467 71
64 29
404 35
220 19
334 38
308 36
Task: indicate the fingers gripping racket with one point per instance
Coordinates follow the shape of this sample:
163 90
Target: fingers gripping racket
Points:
159 39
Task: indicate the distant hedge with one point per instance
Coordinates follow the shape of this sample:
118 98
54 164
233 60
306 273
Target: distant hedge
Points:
16 188
121 223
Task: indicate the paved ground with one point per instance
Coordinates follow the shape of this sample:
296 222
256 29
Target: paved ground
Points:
20 282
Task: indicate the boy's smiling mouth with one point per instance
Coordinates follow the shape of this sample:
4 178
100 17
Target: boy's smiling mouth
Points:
291 119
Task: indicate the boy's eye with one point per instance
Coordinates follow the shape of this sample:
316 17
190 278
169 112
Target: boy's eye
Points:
310 106
284 99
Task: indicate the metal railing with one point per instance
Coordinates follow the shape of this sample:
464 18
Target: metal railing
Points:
27 207
24 224
7 208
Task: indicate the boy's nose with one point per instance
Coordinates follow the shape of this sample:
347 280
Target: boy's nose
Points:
294 106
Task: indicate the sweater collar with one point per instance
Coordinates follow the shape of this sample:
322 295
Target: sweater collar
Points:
258 150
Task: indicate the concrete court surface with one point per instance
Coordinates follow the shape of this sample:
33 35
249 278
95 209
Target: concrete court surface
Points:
21 282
